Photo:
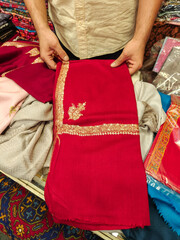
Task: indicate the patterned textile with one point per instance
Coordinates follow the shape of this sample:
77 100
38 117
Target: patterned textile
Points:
159 31
162 161
7 28
21 18
25 216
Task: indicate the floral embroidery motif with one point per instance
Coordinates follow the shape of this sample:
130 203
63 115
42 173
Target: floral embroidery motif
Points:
20 230
75 112
12 109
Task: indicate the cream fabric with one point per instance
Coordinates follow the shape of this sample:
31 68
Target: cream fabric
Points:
26 146
150 114
90 28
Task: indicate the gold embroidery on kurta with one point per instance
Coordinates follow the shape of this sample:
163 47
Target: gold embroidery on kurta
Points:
97 130
75 112
33 52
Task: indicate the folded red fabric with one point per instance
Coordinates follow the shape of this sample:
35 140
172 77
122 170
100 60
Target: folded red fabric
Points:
21 62
162 162
97 178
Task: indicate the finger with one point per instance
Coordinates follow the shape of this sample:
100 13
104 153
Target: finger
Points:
50 63
61 54
119 60
47 57
133 68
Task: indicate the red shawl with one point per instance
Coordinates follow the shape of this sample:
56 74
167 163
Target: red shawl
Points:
97 178
21 62
163 160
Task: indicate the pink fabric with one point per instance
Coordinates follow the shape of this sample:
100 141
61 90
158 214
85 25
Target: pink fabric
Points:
11 99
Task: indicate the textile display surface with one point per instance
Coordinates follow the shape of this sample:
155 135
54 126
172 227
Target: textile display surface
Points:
97 179
25 216
162 161
20 61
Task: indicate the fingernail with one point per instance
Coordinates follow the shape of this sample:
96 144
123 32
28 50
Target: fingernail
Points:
66 58
113 64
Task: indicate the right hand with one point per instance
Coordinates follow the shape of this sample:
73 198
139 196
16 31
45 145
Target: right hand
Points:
50 47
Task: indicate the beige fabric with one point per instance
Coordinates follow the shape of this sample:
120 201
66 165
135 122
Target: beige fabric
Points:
150 114
26 146
90 28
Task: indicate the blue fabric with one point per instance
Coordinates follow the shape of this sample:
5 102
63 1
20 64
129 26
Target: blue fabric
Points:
166 101
159 229
167 202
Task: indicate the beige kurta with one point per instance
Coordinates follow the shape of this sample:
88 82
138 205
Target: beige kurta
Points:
90 28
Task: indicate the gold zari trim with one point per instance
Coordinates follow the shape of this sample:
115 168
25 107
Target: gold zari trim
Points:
59 96
97 130
158 152
18 44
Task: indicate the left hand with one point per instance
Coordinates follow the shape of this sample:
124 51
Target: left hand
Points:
133 55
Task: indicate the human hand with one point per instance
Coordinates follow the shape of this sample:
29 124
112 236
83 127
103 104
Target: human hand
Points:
50 48
133 55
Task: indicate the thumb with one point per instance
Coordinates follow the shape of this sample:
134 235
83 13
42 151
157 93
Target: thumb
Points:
119 60
61 54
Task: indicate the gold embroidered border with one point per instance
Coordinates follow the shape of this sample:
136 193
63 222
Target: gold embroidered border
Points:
97 130
18 44
163 139
59 97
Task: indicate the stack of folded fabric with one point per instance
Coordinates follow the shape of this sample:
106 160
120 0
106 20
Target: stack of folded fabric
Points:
21 18
7 28
169 12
